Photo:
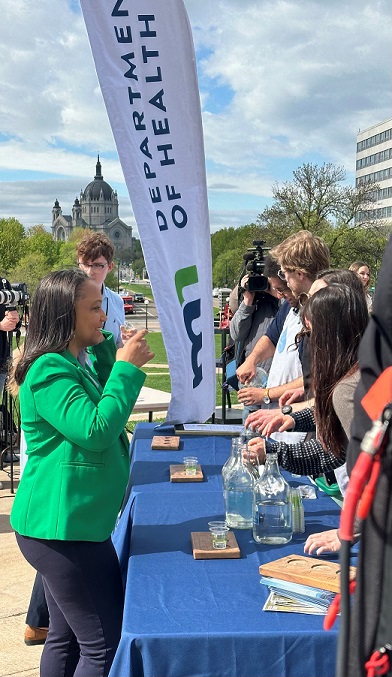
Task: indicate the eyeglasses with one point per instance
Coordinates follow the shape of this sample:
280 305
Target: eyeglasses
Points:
281 292
93 266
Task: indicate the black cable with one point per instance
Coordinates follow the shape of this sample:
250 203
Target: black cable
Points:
344 630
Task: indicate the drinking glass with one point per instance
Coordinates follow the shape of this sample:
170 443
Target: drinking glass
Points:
219 534
190 463
128 329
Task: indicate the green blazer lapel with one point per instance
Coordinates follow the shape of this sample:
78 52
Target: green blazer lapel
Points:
92 384
94 389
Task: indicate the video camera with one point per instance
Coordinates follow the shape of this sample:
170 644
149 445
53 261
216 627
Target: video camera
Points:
254 266
13 294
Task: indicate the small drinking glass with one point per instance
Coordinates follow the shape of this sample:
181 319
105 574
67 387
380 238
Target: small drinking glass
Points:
219 534
190 463
128 330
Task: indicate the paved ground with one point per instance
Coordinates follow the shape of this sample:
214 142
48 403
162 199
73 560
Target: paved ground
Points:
16 659
17 577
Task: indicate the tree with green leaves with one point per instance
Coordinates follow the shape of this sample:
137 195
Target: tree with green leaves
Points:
228 247
30 269
12 236
349 244
67 253
138 266
40 241
317 198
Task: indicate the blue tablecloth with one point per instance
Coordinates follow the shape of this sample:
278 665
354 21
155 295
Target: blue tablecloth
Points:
204 618
150 469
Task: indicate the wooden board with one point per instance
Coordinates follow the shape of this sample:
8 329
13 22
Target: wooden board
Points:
165 442
177 474
202 546
307 571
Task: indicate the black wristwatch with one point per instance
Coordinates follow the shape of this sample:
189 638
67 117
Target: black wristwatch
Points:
287 409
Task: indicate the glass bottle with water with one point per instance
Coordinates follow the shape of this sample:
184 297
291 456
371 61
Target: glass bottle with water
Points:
248 434
254 469
258 381
272 520
231 460
238 485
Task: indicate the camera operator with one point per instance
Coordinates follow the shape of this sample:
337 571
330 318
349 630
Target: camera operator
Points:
255 313
258 307
9 321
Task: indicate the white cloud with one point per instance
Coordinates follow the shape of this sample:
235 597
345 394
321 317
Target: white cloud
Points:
305 76
230 219
279 79
50 91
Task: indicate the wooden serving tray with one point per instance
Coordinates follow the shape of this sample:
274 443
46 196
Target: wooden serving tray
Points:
177 474
307 571
202 546
165 442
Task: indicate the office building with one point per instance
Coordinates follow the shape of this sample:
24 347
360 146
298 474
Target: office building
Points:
374 163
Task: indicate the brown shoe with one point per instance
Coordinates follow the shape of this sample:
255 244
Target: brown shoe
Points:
35 636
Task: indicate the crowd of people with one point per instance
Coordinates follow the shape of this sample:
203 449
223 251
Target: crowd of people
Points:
78 379
313 341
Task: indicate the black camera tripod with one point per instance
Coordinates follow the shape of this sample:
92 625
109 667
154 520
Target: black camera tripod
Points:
9 426
9 435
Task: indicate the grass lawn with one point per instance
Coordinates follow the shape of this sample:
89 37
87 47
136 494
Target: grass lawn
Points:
155 341
156 344
159 377
161 381
140 289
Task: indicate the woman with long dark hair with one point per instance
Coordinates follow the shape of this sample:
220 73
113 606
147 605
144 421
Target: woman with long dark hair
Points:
73 413
337 317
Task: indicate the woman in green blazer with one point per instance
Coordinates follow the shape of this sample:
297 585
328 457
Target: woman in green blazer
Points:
73 414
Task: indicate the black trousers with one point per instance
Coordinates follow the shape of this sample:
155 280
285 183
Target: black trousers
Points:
38 613
84 593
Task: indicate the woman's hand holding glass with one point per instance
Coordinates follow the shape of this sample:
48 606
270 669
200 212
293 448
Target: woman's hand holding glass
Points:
247 370
268 421
250 396
256 450
136 350
128 329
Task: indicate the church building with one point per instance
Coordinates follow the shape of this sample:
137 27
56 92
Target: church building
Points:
96 209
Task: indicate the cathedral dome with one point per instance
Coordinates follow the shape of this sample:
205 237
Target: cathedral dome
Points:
94 188
95 209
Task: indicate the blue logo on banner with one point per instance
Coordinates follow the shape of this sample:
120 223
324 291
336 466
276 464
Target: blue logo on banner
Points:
191 311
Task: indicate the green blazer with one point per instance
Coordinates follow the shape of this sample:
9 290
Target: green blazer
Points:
78 452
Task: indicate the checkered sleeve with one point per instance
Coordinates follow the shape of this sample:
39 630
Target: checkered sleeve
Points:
305 458
304 420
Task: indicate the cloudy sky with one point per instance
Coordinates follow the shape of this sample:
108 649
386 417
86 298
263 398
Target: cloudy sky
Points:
282 82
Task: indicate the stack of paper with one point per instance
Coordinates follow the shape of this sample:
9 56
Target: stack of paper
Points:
294 597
